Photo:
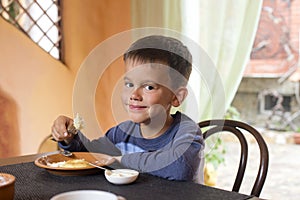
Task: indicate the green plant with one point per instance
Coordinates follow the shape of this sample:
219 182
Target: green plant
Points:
217 150
232 113
216 154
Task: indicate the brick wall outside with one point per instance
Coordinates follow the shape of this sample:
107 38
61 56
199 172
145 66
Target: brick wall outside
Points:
279 28
271 64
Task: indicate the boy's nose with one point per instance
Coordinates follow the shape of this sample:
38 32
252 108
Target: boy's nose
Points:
135 95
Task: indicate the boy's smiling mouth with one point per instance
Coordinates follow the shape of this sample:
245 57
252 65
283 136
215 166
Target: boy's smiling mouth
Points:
137 107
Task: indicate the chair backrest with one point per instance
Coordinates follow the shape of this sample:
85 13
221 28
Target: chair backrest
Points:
48 145
238 129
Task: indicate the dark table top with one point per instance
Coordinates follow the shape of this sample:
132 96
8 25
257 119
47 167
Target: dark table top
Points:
33 182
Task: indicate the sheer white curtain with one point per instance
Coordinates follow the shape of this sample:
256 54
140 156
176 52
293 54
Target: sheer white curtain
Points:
222 32
156 13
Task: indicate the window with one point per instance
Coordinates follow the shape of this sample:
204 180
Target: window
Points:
38 19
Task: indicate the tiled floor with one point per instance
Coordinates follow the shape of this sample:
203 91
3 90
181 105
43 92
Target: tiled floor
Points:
283 179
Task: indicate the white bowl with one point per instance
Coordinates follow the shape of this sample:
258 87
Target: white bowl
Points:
121 176
84 195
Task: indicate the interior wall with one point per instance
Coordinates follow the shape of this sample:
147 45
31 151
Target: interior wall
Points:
9 131
85 25
35 88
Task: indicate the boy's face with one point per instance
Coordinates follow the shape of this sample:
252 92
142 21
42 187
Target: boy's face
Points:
146 94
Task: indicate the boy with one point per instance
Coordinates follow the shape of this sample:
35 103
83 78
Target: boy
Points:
153 140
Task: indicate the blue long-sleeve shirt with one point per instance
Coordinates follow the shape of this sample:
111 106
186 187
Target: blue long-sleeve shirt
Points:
175 155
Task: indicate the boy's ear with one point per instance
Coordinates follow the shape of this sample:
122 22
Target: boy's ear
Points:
179 96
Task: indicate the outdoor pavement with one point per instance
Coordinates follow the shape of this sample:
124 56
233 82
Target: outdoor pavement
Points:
283 179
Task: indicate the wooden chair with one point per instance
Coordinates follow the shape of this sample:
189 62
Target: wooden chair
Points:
48 145
238 129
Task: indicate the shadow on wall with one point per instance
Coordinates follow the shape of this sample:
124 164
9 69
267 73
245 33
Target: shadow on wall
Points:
9 127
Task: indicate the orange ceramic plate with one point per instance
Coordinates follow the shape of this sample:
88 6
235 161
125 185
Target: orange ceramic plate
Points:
102 160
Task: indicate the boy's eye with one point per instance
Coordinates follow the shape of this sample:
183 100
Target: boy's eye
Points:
129 85
149 87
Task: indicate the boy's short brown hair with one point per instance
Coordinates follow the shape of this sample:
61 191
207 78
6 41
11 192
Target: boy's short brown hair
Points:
157 48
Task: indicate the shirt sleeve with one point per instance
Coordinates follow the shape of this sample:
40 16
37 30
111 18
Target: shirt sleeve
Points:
75 145
80 143
179 160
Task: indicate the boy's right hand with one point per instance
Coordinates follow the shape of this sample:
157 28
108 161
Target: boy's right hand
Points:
60 127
